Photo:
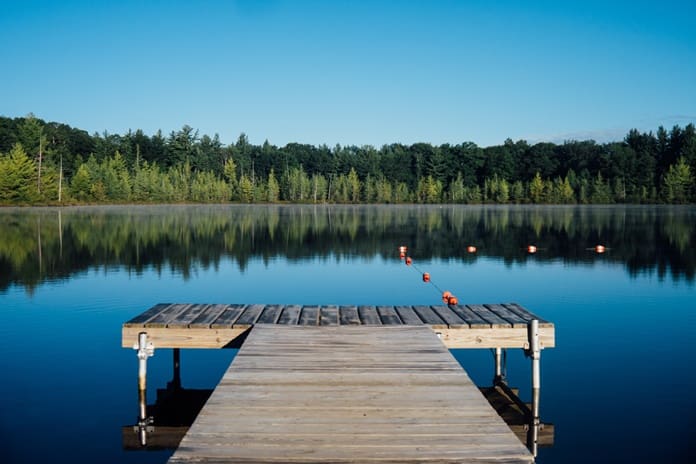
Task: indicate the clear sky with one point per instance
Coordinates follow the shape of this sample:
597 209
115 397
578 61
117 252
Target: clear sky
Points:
360 72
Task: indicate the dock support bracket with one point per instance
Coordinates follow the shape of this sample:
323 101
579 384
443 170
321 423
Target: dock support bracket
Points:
144 350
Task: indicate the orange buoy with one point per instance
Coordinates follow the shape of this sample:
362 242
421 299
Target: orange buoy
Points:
452 300
471 249
408 261
531 249
600 249
426 277
446 296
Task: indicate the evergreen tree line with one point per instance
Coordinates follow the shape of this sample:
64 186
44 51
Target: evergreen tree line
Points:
52 163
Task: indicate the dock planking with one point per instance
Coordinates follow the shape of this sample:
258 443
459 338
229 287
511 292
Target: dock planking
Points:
189 325
347 393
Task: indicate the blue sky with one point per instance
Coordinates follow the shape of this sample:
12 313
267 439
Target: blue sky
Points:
361 72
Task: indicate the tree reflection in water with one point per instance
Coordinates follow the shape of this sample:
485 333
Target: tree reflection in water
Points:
43 244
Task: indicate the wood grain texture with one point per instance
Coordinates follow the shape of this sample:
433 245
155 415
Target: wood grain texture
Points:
340 394
497 325
140 319
208 316
183 337
388 315
228 316
348 315
489 316
290 315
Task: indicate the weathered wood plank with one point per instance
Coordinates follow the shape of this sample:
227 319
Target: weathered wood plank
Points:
470 317
527 315
166 315
290 315
184 337
388 315
489 316
184 318
270 314
141 319
249 316
309 315
428 316
208 316
348 315
501 337
408 315
449 316
328 315
376 398
368 315
228 317
513 318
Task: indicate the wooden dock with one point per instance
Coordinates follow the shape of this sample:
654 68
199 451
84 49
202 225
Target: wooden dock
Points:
347 394
344 383
223 325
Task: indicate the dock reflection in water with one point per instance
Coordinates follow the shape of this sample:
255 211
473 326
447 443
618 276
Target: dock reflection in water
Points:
176 408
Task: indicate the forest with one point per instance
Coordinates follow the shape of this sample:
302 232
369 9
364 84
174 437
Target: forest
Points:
50 163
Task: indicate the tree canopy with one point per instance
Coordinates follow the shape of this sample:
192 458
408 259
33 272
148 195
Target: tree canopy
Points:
52 163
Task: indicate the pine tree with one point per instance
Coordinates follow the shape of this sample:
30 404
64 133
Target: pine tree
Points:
536 189
17 177
678 182
273 188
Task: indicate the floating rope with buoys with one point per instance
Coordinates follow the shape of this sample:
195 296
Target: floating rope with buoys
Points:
447 297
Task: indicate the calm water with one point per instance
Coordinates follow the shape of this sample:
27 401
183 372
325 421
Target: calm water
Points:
618 387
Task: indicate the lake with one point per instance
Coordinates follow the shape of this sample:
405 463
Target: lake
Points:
617 387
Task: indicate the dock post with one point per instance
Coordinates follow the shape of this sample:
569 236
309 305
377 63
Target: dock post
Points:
145 350
176 372
498 378
535 353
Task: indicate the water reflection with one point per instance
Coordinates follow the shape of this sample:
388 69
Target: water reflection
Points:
176 408
42 244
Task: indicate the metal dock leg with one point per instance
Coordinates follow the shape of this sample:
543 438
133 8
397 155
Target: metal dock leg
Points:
535 354
145 350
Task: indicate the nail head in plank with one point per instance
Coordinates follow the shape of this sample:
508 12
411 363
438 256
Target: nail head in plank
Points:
449 316
428 316
514 319
388 315
290 315
309 315
249 316
348 315
270 314
208 316
328 315
489 316
470 317
368 315
166 315
141 319
228 316
408 315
